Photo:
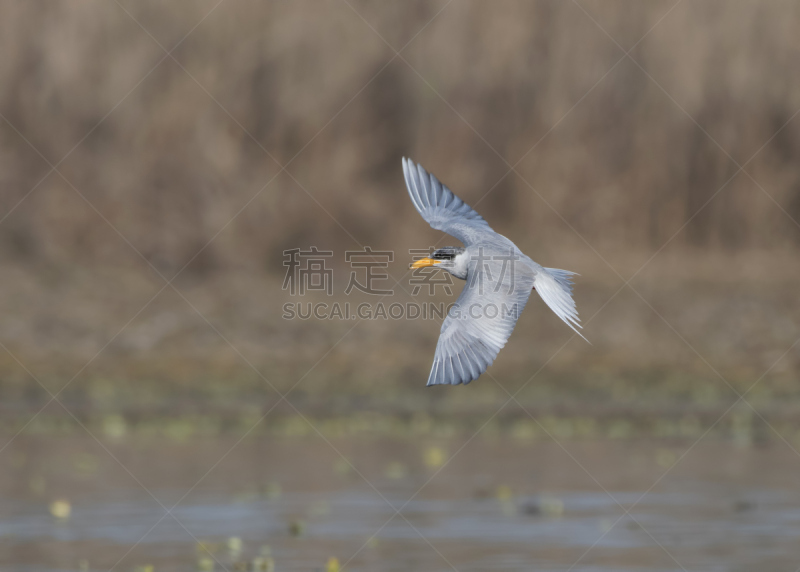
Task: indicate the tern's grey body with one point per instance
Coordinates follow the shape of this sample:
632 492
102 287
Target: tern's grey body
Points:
499 279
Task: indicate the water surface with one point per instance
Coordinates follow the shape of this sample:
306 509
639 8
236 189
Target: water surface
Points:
397 504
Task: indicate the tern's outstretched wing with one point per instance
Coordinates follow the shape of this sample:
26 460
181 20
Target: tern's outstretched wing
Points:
480 322
441 208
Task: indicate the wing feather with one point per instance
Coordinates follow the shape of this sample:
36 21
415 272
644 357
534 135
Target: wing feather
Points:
440 207
471 337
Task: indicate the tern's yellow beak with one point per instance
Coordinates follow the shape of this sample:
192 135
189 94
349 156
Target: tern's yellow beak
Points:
425 262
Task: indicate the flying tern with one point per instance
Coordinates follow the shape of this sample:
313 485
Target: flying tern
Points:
499 279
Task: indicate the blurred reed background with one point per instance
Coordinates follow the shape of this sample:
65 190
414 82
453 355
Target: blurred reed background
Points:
169 168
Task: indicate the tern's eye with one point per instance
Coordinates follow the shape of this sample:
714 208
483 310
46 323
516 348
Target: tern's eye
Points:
443 255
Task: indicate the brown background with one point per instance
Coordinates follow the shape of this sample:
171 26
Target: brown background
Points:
676 166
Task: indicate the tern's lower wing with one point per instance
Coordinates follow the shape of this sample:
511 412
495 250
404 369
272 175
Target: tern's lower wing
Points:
480 322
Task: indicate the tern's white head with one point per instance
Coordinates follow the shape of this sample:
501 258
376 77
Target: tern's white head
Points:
453 259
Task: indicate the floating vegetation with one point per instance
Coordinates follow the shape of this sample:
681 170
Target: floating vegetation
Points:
272 490
264 562
531 508
665 428
505 496
114 426
545 505
585 428
205 564
296 426
705 393
297 528
37 485
525 430
503 493
551 506
341 466
744 505
396 470
207 548
606 524
558 427
332 565
633 525
620 429
234 545
179 430
586 422
319 508
665 458
508 508
85 464
246 496
742 427
433 457
61 509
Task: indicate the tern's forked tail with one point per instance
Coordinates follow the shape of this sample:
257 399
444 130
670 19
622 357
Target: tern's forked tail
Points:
555 288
